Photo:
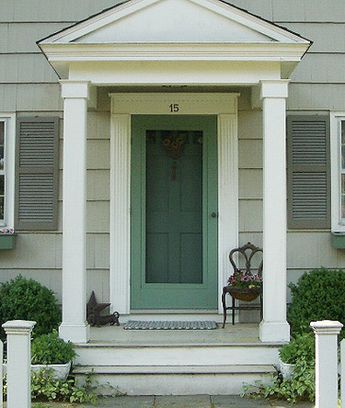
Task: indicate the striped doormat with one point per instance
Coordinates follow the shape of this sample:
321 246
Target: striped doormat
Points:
170 325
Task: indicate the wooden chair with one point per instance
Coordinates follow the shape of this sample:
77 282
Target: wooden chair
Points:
247 251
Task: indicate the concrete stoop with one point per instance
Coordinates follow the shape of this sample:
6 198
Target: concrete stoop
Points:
178 369
176 380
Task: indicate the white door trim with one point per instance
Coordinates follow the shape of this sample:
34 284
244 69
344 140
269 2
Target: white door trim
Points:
123 105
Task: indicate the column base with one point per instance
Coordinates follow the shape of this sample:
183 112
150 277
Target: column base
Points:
274 331
75 333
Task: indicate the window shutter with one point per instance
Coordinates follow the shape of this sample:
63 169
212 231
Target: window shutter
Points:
37 173
308 172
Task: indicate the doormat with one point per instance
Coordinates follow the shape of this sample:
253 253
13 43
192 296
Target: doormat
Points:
170 325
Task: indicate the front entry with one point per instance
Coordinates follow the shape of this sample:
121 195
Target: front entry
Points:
174 212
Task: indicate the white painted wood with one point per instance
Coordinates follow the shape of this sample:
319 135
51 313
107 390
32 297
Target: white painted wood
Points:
342 373
18 363
1 373
274 326
124 105
189 103
194 10
326 363
74 326
338 224
228 218
120 153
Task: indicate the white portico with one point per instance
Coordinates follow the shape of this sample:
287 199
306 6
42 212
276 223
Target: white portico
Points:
190 56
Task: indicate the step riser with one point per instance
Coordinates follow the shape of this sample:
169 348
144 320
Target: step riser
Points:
176 384
176 355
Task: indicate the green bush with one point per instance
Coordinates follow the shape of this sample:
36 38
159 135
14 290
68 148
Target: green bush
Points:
318 295
301 387
26 299
50 349
301 347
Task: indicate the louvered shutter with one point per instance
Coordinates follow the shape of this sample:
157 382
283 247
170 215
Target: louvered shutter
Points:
308 172
36 173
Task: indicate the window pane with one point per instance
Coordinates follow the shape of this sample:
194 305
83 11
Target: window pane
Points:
343 196
2 201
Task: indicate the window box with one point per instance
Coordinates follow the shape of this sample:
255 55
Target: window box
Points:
338 240
7 241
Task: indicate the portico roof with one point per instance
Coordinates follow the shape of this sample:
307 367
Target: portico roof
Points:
174 30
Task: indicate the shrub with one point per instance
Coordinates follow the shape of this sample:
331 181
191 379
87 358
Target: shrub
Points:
50 349
301 347
44 387
318 295
26 299
301 387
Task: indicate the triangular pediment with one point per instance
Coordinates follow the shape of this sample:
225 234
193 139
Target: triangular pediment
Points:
173 21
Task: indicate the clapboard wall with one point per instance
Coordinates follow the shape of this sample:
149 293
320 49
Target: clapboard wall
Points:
28 86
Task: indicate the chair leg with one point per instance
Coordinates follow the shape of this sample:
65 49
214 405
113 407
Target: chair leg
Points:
224 308
233 310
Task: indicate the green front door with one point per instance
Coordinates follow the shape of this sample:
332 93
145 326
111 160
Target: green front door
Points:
174 212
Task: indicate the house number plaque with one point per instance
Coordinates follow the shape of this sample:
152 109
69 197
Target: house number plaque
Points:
174 108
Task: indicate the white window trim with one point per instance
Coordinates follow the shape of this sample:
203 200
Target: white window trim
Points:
335 119
9 153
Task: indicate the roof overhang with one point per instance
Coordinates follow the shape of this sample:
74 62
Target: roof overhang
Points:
146 30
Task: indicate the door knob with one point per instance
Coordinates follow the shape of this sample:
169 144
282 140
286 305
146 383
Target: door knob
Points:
214 215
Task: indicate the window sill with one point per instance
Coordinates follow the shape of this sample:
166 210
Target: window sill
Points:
7 241
338 240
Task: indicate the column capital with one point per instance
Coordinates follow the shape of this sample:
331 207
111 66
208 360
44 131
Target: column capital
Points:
19 327
326 327
75 89
274 88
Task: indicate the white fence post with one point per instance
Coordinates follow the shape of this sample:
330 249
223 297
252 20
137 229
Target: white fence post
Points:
1 373
342 373
18 363
326 363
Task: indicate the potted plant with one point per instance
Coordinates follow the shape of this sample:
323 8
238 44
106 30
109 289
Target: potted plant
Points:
50 352
245 286
300 348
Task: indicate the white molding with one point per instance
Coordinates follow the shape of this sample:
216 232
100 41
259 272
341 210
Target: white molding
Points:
335 119
227 196
10 155
126 104
175 52
242 17
120 159
189 103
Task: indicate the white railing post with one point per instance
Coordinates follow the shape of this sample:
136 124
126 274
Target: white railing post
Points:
18 363
1 373
342 374
326 363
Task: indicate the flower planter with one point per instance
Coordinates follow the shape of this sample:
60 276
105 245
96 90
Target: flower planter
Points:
286 369
245 294
60 371
7 241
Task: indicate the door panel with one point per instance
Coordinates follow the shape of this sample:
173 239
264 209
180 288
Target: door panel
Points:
173 236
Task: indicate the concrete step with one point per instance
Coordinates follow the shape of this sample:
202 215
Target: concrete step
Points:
176 355
175 379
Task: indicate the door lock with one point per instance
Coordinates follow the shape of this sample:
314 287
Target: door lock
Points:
214 215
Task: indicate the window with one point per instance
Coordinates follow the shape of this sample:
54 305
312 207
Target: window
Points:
338 171
7 169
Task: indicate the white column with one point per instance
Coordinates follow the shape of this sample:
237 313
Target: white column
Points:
18 363
274 326
326 363
120 158
74 326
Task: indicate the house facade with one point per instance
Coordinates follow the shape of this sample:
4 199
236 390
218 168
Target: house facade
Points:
141 144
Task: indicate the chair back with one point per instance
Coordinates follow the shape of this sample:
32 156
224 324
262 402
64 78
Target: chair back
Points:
247 251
